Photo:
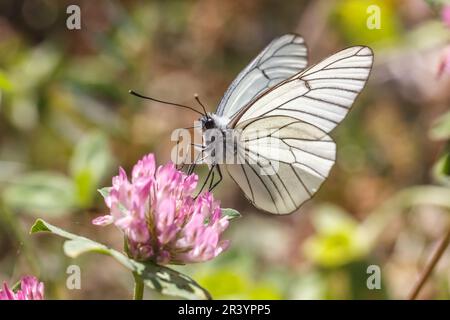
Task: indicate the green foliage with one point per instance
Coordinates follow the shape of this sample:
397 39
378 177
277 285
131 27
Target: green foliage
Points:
441 131
51 193
441 128
162 279
104 191
231 214
5 83
441 170
90 163
47 193
228 282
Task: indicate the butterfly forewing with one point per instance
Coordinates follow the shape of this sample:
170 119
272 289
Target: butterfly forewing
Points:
321 95
282 58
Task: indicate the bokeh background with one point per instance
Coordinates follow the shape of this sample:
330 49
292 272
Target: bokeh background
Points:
67 123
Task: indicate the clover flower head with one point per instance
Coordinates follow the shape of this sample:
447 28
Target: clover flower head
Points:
30 289
160 218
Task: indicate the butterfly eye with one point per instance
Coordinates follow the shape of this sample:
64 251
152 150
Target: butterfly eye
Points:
209 124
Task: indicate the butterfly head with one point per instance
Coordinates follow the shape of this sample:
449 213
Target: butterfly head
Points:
208 122
213 121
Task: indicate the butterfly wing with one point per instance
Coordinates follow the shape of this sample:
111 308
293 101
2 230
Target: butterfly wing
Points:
281 59
300 111
282 162
321 95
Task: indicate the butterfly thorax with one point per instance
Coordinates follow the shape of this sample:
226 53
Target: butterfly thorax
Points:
218 139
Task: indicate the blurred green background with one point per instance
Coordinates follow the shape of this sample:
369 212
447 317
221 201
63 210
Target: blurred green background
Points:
67 122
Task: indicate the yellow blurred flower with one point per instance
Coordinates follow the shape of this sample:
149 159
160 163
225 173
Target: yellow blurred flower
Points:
338 240
232 283
353 17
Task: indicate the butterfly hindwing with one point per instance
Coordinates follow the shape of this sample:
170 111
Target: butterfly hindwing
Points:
282 162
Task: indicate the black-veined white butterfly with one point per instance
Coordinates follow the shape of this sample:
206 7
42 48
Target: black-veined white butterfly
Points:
295 107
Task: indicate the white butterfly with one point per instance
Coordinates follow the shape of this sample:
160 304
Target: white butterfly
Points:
296 108
274 93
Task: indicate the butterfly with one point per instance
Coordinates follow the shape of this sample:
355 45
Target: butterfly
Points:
283 111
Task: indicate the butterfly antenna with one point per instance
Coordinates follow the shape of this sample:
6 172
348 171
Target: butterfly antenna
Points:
164 102
200 103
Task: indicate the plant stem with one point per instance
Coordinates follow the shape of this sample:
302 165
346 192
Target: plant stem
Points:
138 287
430 266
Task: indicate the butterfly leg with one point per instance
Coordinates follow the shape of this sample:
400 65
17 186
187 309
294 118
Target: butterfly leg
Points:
191 168
211 181
212 186
197 160
210 172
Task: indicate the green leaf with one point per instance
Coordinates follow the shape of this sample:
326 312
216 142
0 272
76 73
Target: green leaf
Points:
90 162
104 191
170 282
75 248
231 214
441 170
46 193
5 83
441 128
16 286
159 278
85 186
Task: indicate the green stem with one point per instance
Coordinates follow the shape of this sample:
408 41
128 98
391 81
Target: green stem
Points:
138 287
